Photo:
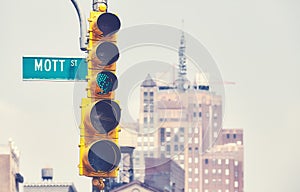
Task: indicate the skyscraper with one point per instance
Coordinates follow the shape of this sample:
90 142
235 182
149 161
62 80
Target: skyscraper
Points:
183 121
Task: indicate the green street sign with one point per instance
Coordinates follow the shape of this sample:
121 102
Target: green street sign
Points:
54 68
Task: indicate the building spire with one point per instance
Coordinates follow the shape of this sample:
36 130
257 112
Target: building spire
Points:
182 83
182 58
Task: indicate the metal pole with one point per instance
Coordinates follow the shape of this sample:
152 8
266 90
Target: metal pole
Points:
83 27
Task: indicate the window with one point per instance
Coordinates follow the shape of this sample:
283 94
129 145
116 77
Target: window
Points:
215 124
215 134
196 130
181 147
219 161
213 171
176 138
200 114
236 174
227 181
206 181
162 134
206 161
234 136
219 171
181 157
207 114
226 171
190 180
190 160
196 140
227 136
236 163
145 94
145 120
215 115
226 161
181 130
151 94
181 139
151 120
176 148
168 148
196 159
196 171
205 171
196 179
236 184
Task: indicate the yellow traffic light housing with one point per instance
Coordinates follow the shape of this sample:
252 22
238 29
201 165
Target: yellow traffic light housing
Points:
100 114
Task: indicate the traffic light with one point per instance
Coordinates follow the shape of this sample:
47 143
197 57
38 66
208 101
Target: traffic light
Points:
100 113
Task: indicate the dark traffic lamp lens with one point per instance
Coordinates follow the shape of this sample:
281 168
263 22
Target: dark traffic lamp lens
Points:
104 156
108 23
107 53
105 116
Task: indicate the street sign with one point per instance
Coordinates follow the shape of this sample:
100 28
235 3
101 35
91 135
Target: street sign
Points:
54 68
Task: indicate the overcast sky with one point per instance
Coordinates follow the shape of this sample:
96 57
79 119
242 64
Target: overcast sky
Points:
254 43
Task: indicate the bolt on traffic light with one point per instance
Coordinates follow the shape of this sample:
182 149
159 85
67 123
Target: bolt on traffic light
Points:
100 113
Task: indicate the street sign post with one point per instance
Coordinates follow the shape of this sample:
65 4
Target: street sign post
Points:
54 68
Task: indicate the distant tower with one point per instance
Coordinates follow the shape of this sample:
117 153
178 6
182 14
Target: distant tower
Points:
182 83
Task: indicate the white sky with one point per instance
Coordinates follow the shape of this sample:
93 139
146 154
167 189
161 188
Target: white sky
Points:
255 44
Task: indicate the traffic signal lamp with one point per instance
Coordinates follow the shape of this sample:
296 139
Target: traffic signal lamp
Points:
100 113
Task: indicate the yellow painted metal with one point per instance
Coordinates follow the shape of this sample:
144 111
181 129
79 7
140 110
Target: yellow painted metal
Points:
102 7
82 146
88 135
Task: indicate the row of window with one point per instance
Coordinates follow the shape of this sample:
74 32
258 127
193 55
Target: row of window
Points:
168 148
214 181
145 139
199 114
228 136
215 171
219 161
148 93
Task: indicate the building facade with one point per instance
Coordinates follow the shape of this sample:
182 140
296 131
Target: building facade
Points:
164 174
223 169
9 168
